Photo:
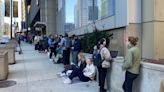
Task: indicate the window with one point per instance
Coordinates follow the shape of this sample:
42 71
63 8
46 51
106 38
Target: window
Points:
83 12
15 9
7 8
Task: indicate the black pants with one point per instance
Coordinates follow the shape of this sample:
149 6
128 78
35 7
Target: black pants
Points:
79 73
70 67
102 76
37 46
128 83
41 47
66 56
52 51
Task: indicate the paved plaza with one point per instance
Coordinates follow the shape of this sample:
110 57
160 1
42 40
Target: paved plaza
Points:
33 72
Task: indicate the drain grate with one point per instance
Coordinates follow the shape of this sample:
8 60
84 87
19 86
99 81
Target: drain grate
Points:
5 84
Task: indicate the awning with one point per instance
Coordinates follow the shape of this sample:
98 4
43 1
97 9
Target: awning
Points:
40 24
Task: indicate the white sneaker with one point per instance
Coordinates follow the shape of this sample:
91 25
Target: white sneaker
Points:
59 73
67 81
62 74
51 60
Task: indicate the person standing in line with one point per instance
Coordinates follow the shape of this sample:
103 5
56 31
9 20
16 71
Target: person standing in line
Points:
102 68
131 64
76 47
36 42
45 43
66 42
18 37
41 49
55 43
59 50
51 42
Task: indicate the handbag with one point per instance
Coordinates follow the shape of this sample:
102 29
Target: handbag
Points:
105 64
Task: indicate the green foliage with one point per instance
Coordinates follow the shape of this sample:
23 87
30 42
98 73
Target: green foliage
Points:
91 39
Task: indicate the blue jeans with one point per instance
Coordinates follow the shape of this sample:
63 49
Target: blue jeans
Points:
75 57
128 83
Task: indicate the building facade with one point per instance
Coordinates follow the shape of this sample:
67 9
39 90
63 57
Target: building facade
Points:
69 27
42 16
84 12
16 17
23 16
141 18
60 16
2 14
123 18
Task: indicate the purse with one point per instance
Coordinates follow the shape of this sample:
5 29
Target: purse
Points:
105 64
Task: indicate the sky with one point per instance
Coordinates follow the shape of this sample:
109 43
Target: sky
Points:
70 4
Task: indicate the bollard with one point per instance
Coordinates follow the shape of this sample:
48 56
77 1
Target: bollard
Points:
13 43
11 52
162 86
4 70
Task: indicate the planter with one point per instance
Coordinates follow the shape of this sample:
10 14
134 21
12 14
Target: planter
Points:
113 54
4 70
162 86
11 52
12 43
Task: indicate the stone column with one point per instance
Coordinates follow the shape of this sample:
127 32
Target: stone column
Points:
153 29
50 9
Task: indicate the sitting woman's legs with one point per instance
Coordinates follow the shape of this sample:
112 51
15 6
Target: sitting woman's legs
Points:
78 73
70 67
74 73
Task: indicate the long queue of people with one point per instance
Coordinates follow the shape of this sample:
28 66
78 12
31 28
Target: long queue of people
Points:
62 47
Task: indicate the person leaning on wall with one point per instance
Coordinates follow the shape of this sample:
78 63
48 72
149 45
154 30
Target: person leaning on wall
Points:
131 64
104 63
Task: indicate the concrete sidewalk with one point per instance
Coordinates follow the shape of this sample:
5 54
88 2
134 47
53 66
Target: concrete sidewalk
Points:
33 72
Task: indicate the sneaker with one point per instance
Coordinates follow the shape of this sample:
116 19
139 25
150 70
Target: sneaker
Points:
67 81
59 73
62 74
51 60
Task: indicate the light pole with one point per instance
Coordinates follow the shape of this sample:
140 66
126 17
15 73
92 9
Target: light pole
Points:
11 15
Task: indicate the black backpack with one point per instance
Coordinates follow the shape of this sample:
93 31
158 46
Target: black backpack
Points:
97 59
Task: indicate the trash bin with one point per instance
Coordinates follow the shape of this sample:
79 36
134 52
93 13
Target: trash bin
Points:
162 86
11 52
4 70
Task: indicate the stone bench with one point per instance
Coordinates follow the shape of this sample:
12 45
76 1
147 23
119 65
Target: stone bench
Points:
11 52
4 70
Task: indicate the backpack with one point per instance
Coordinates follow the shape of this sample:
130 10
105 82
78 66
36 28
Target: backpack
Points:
97 59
